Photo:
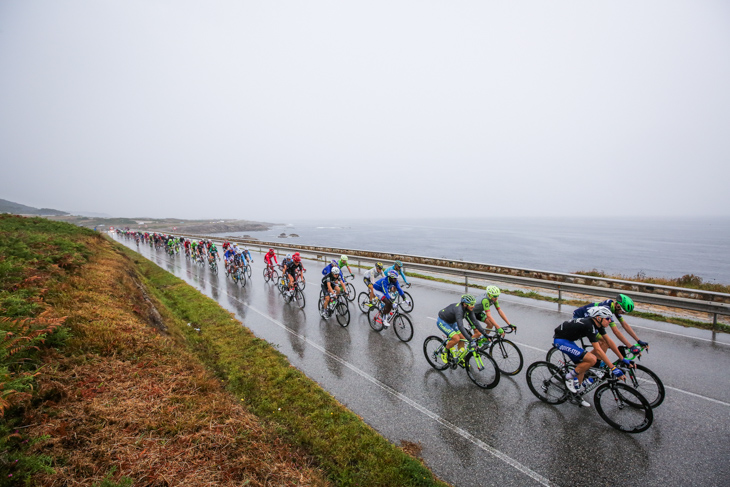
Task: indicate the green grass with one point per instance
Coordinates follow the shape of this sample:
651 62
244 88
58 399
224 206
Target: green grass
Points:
351 452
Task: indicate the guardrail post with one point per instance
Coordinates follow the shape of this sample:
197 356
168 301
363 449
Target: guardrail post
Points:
714 326
466 284
560 298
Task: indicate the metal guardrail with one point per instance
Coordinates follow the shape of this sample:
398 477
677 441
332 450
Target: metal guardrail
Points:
683 298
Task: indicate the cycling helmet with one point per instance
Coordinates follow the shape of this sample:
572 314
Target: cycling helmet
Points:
626 303
296 253
335 271
399 263
379 266
288 256
343 258
297 259
334 263
271 251
393 276
493 291
599 312
468 299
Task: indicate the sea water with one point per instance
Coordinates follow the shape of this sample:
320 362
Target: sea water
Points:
661 247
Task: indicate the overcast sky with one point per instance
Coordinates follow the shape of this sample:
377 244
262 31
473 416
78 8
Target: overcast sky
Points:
283 110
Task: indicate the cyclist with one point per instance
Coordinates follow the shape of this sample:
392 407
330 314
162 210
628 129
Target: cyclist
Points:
382 287
246 255
622 304
331 285
291 270
483 313
593 328
268 257
228 256
398 268
451 322
213 254
287 260
328 268
371 276
342 263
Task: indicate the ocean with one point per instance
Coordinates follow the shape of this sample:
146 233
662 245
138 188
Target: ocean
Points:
660 247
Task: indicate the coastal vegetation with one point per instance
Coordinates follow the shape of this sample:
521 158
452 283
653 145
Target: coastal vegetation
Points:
689 281
113 372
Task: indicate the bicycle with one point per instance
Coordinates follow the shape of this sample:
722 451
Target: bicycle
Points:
295 294
629 411
401 323
505 353
350 288
480 366
365 303
238 276
405 302
213 266
640 377
338 306
270 273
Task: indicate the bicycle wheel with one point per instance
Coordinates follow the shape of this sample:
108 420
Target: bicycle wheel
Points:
433 347
507 356
555 356
299 298
267 274
375 319
350 292
363 302
403 327
405 307
241 278
545 380
343 313
248 271
646 382
623 408
482 370
301 282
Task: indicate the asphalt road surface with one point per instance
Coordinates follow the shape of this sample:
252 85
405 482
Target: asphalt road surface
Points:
503 436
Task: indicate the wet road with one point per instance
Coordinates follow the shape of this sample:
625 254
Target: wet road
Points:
501 436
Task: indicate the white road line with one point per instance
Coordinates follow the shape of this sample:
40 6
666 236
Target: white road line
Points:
463 433
717 401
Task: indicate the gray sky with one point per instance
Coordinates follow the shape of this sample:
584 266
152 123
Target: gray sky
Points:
284 110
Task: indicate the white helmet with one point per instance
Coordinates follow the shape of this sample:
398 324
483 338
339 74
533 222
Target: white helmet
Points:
599 312
335 271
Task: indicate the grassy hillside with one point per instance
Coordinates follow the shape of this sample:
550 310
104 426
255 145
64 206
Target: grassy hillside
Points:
104 383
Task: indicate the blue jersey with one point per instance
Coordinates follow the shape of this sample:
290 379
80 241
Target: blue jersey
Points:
328 269
402 274
582 312
383 286
229 254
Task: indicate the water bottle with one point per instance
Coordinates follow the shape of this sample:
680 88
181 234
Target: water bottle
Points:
588 381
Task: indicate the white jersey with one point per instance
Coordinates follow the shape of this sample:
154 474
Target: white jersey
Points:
373 275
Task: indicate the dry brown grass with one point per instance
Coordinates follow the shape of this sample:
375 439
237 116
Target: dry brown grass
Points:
124 395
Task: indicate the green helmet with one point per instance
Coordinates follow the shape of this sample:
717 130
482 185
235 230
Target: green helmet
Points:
626 303
468 299
493 291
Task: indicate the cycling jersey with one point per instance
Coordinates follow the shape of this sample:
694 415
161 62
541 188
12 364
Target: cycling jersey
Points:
382 286
481 308
269 256
330 279
455 314
582 312
229 254
373 275
292 267
402 274
581 328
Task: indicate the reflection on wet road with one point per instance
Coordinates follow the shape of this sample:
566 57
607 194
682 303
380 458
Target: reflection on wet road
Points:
504 435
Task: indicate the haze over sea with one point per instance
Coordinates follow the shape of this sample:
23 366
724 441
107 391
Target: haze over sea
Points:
661 247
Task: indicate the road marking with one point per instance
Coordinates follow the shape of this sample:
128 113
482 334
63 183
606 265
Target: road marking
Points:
464 434
461 432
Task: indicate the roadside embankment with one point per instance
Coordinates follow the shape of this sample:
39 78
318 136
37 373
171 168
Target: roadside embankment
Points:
142 380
